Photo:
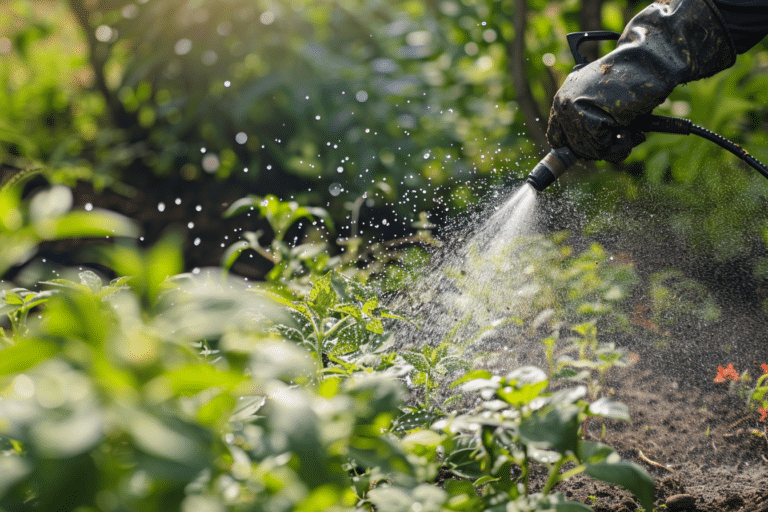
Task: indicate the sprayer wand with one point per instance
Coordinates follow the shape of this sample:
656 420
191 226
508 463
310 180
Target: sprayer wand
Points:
560 160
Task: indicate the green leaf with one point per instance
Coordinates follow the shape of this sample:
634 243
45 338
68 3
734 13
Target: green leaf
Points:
572 506
232 253
554 426
628 475
168 438
25 354
485 480
463 495
418 360
322 296
13 469
70 436
607 408
192 379
95 224
517 396
375 326
425 497
14 298
91 280
242 205
526 375
593 452
472 375
247 407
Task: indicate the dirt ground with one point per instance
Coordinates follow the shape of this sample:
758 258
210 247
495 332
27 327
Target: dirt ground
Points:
706 450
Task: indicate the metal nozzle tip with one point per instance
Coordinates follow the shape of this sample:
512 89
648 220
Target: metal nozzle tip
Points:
541 177
550 167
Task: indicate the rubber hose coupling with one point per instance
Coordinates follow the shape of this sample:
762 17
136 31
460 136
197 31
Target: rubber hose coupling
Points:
550 168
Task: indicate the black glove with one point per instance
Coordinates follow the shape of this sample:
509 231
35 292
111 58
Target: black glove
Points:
670 42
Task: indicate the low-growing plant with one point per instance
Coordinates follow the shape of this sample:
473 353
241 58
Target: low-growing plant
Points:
673 295
25 223
756 396
291 261
585 359
517 425
431 366
339 321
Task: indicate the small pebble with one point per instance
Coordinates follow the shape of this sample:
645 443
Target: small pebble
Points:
681 502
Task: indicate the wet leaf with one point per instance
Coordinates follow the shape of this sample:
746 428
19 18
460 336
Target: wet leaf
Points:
628 475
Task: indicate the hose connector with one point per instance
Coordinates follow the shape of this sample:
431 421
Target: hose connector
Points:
550 168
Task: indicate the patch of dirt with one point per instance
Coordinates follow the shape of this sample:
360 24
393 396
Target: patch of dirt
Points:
698 441
706 450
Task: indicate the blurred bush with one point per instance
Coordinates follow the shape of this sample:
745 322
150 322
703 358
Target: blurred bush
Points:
356 104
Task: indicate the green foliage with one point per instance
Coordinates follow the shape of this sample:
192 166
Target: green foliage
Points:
585 359
47 216
674 296
106 398
291 262
163 389
339 321
520 423
432 365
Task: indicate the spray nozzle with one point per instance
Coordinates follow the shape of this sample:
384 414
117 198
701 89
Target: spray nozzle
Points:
550 168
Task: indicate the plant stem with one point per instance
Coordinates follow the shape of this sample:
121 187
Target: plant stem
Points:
554 476
337 326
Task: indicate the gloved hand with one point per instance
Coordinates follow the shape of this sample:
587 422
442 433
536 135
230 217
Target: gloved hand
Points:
670 42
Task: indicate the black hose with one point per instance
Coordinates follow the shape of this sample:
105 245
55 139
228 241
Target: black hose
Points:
664 124
559 160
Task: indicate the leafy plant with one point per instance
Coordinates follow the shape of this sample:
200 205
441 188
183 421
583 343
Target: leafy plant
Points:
673 296
755 396
17 303
519 423
432 365
46 216
290 262
339 320
586 359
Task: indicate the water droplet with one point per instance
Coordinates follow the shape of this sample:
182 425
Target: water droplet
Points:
267 18
88 207
104 33
197 241
241 138
182 46
211 163
161 207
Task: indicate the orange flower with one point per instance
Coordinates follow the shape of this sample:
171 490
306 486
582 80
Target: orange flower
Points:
726 373
764 367
764 412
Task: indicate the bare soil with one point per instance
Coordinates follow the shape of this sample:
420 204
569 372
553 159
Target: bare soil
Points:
706 450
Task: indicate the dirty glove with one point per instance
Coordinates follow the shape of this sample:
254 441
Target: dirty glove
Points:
670 42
